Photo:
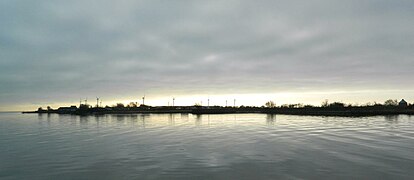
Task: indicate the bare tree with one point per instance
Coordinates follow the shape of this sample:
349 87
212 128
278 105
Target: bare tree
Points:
132 104
325 103
391 102
270 104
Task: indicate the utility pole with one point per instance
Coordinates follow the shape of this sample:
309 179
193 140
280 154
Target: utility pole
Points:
226 103
208 102
97 102
234 102
173 101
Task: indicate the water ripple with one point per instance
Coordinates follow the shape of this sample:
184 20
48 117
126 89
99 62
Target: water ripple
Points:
185 146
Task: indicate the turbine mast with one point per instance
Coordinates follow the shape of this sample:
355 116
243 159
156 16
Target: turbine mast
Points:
143 100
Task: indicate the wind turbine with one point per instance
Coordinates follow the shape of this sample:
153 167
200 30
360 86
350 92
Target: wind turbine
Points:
143 100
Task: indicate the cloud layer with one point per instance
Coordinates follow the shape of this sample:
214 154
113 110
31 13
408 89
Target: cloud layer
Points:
62 50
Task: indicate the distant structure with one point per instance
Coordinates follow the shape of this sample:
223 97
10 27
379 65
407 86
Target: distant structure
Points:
80 102
97 101
84 106
143 100
70 109
403 103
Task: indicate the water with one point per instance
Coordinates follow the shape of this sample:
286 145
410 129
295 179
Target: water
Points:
185 146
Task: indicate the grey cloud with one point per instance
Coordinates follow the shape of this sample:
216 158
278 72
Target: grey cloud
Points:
89 47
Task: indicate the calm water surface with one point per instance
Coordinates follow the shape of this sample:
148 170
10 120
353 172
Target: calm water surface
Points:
185 146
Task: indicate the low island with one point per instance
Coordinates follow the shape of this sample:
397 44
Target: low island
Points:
389 107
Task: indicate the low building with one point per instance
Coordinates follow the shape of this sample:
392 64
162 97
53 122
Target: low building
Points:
403 103
70 109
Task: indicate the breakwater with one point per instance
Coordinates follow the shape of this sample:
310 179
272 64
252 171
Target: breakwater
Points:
315 111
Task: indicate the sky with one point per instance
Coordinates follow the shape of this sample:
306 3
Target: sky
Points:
56 52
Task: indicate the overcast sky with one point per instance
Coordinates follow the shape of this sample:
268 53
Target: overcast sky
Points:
55 52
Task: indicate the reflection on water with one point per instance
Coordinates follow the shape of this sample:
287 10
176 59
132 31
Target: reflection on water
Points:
270 119
392 118
198 120
186 146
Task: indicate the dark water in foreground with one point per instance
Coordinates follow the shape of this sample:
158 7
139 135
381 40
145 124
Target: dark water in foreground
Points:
182 146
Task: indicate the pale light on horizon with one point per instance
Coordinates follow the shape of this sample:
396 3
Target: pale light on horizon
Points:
248 99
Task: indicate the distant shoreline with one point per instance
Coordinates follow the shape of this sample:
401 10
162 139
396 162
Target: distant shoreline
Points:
314 111
10 111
